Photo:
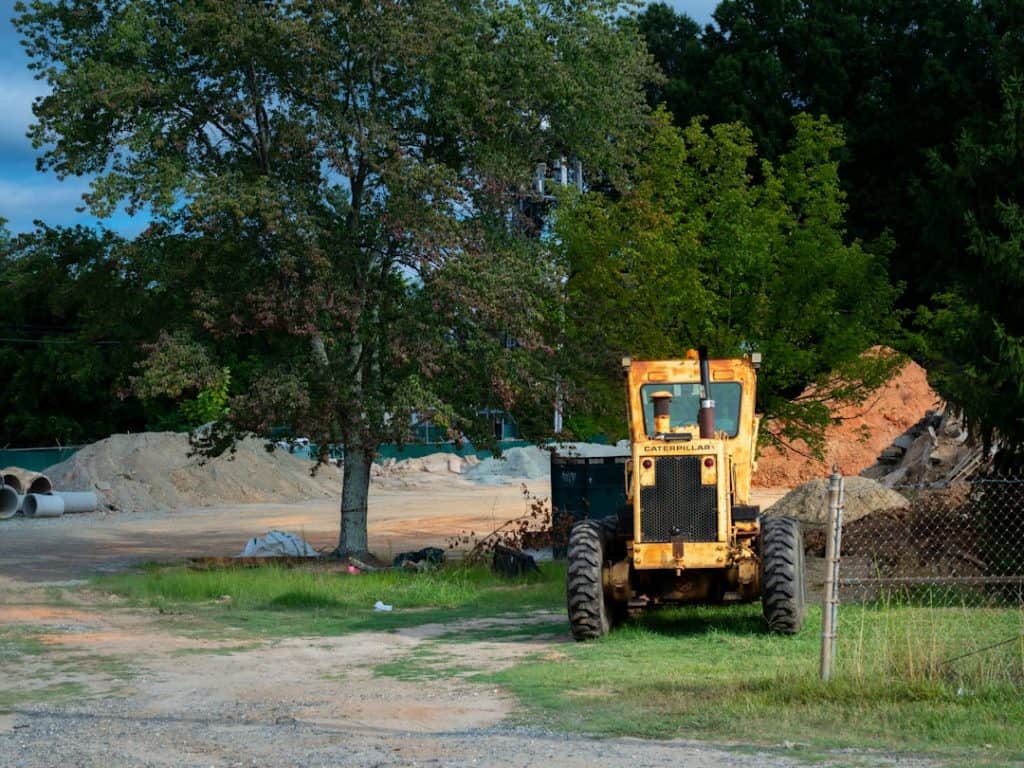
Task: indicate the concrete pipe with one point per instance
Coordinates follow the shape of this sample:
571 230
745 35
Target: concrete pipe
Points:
9 502
78 501
14 482
43 505
40 484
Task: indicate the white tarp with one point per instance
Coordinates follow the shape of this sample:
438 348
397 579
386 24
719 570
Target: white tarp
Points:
278 544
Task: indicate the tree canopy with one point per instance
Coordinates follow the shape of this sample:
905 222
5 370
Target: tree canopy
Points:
337 181
700 252
914 86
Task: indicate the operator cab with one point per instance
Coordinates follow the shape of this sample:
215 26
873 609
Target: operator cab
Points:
681 403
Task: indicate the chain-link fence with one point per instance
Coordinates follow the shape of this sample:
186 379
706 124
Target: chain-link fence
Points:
934 592
961 545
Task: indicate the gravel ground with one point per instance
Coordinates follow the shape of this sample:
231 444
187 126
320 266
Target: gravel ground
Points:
108 733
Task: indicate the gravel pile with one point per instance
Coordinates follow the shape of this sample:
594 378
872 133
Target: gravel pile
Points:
528 462
153 471
809 502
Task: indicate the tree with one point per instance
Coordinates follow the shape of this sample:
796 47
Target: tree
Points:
902 80
975 331
73 311
698 252
329 170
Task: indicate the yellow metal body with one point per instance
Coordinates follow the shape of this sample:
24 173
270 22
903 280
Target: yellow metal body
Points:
727 463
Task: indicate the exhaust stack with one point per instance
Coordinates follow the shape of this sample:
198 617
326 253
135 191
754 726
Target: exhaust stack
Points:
706 414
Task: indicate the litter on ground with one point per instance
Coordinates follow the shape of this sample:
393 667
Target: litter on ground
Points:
278 544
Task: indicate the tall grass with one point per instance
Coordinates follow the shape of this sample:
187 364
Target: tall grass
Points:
715 673
966 650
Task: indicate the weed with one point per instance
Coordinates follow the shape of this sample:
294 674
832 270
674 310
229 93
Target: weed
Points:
518 533
713 673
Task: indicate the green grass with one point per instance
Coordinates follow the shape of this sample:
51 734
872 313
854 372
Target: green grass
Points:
275 601
426 662
17 641
696 673
712 673
222 650
28 665
56 693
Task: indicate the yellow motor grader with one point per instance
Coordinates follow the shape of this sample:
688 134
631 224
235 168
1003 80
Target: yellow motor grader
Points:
688 532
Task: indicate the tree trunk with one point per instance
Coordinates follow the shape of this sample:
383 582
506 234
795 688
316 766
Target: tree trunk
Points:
355 491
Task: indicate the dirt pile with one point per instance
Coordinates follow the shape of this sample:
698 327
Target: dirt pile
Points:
941 534
809 502
859 437
153 471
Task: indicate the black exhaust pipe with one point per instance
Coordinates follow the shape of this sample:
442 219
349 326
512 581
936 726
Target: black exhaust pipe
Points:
706 414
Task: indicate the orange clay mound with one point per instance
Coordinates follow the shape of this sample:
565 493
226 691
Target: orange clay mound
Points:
855 442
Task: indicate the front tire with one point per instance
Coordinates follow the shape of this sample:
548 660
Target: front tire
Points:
782 575
589 616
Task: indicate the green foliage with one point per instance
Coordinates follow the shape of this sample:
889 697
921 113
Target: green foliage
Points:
699 251
211 404
918 88
74 309
975 331
176 365
324 172
902 79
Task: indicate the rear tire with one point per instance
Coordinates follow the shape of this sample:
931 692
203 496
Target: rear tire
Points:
589 616
782 574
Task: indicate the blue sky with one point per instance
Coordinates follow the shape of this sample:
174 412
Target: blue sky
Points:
27 194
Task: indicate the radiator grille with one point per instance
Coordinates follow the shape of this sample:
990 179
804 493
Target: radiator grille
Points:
678 500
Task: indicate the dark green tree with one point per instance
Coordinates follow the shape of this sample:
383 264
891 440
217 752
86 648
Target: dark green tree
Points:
73 312
333 169
902 80
975 331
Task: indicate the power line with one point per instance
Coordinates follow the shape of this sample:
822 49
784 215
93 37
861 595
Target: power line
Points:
76 342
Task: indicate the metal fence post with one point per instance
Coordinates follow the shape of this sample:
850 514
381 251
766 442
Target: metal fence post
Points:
833 546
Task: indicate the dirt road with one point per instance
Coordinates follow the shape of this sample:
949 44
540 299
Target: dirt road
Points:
144 695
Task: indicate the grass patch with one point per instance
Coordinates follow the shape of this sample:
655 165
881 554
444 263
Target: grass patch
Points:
277 601
713 673
528 630
427 662
217 650
704 673
11 699
18 641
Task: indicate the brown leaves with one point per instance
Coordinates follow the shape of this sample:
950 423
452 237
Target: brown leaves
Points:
518 533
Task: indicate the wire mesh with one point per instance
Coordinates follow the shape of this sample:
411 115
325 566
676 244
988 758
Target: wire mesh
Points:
933 593
961 545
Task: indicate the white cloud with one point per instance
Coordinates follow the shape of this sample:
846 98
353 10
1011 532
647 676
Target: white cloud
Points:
17 91
24 200
41 197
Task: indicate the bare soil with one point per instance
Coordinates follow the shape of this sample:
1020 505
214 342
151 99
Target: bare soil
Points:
857 435
145 694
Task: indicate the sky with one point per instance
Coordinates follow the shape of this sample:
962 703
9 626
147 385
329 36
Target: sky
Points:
27 194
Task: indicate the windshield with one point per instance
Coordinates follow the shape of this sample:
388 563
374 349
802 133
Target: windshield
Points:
686 402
